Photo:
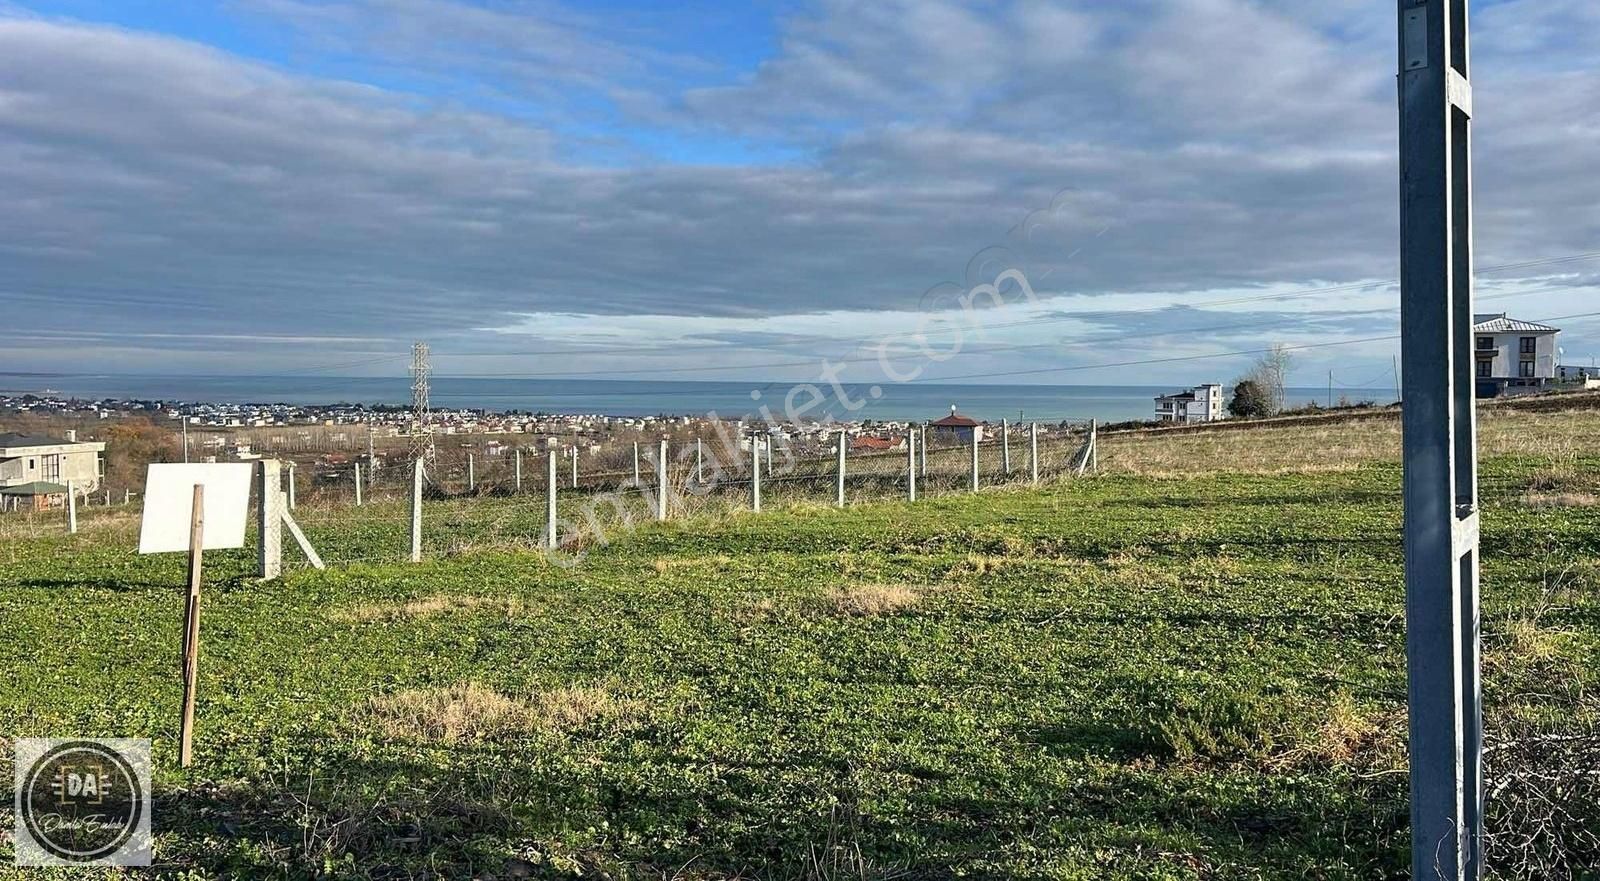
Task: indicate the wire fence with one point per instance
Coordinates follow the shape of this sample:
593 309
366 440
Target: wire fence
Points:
472 501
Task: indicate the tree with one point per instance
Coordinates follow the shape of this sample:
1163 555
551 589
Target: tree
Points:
1250 400
1270 374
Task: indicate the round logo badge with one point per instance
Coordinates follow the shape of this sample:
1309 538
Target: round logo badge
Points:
81 801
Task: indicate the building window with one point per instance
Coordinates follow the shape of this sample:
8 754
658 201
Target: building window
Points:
1486 343
1528 345
32 464
1525 369
52 468
1486 368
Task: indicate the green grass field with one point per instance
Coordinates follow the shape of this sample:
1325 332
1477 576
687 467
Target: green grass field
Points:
1125 676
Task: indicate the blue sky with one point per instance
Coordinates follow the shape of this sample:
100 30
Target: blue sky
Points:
736 191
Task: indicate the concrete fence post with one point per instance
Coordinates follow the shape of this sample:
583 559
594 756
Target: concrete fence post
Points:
699 461
636 480
72 509
975 459
1033 450
574 466
269 519
844 441
550 504
1005 447
755 474
911 465
768 445
416 511
108 498
662 489
516 469
358 484
127 497
291 484
922 445
1094 445
472 473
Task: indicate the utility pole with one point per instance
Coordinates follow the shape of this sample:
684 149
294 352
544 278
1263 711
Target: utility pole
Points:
421 434
1440 439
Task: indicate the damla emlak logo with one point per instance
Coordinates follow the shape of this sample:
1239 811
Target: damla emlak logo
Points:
82 802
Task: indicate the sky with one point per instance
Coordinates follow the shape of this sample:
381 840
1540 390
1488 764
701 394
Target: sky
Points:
1030 191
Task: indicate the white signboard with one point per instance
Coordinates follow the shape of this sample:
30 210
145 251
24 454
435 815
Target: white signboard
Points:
169 497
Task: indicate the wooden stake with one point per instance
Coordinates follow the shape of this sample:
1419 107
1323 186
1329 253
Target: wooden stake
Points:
191 627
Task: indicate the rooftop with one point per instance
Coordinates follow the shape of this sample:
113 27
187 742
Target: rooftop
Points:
13 439
1493 323
955 420
33 488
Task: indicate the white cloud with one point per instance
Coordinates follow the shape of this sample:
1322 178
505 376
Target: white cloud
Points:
1156 151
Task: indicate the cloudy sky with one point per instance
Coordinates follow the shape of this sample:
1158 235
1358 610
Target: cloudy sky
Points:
733 190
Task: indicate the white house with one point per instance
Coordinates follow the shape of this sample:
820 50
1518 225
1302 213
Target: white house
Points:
1203 403
39 468
1513 353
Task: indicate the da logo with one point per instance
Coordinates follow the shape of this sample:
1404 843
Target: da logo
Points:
82 802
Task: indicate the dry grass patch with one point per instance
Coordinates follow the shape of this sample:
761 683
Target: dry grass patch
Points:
470 711
865 600
663 565
1560 500
428 607
1349 738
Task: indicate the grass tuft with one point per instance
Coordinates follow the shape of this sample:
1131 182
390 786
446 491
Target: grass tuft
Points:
470 711
427 607
868 600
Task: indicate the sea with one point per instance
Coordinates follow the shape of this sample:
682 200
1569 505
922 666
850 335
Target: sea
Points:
729 400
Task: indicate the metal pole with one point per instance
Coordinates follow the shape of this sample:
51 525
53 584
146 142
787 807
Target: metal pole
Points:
975 430
358 484
1005 447
550 504
416 511
911 465
844 439
1440 442
755 474
661 482
1033 450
